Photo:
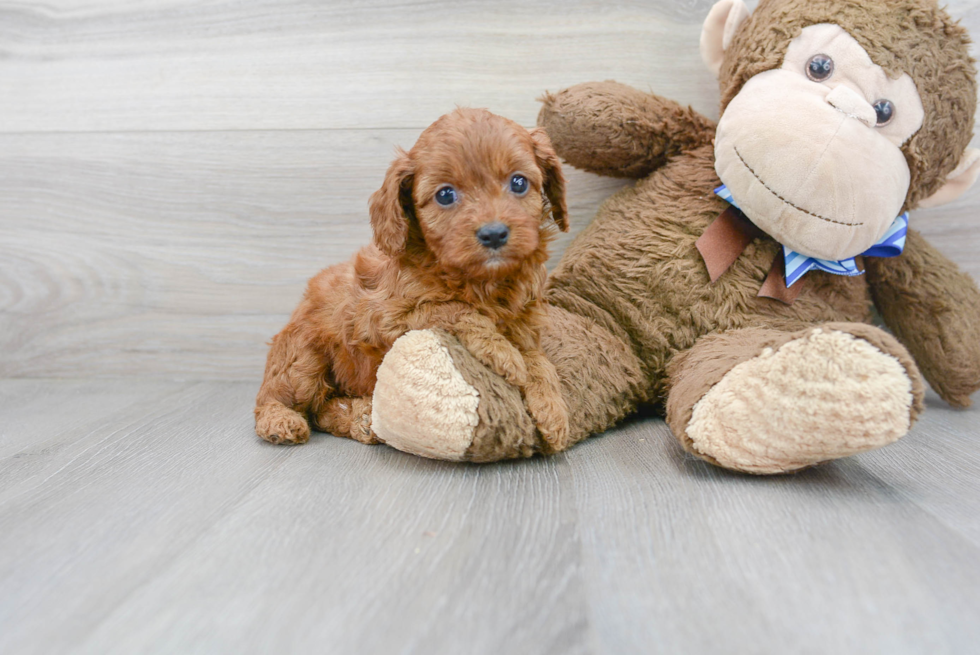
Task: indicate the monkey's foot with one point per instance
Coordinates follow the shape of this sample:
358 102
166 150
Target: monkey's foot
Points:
762 401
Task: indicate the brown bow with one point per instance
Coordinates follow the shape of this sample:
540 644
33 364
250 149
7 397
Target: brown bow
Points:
726 238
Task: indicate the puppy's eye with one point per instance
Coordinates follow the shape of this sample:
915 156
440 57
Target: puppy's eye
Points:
820 68
518 184
446 196
885 111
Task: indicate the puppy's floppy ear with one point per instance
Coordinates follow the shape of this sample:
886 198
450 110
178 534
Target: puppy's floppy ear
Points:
392 206
554 181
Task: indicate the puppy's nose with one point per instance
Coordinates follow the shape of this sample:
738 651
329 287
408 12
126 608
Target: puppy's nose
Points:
493 235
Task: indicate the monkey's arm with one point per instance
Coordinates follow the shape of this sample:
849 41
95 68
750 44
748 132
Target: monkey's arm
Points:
612 129
934 309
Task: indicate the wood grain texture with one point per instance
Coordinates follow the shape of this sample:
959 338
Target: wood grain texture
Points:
263 64
171 528
840 558
171 172
159 523
114 65
180 255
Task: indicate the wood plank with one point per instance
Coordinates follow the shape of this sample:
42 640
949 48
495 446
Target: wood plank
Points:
177 254
953 229
681 556
165 525
177 530
112 505
356 550
114 65
39 416
937 467
110 65
180 255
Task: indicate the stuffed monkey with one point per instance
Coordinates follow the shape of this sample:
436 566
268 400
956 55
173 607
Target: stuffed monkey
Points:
732 285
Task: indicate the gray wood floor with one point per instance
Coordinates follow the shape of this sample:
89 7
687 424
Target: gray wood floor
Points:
157 522
171 173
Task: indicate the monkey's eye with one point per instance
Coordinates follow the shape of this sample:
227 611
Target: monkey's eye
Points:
820 68
885 111
518 184
446 196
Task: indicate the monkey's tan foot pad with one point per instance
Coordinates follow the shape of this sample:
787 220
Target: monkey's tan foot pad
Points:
434 399
821 395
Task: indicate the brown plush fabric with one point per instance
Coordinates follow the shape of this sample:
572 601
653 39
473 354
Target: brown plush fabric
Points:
601 376
601 382
934 309
632 292
636 317
638 268
911 36
621 132
505 430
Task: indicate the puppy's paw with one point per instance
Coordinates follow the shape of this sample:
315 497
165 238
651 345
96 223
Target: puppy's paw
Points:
360 428
509 364
551 416
347 417
279 424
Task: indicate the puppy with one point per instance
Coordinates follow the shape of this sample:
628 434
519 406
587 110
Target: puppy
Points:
461 228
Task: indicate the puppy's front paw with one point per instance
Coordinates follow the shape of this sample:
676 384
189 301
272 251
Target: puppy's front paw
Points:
509 364
279 424
551 416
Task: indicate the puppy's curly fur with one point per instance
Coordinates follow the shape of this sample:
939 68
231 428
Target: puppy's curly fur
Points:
427 268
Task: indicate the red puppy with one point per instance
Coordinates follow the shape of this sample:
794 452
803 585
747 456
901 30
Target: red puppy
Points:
461 229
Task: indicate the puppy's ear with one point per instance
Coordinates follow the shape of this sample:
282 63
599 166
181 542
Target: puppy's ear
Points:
554 181
392 206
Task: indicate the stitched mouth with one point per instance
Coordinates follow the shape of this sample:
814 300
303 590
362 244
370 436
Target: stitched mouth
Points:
784 200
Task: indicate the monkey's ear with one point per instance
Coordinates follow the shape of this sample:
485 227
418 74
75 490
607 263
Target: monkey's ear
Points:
957 182
719 29
554 181
392 206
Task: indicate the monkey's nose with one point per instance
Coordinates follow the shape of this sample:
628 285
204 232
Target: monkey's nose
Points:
848 101
493 235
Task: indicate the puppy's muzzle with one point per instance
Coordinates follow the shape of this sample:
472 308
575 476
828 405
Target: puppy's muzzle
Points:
493 235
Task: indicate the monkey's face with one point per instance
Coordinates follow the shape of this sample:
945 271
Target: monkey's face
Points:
812 151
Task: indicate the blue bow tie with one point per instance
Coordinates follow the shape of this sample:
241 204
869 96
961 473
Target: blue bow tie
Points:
890 245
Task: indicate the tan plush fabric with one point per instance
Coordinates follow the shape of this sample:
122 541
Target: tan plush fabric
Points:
504 429
901 36
806 161
416 370
818 397
855 71
719 29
